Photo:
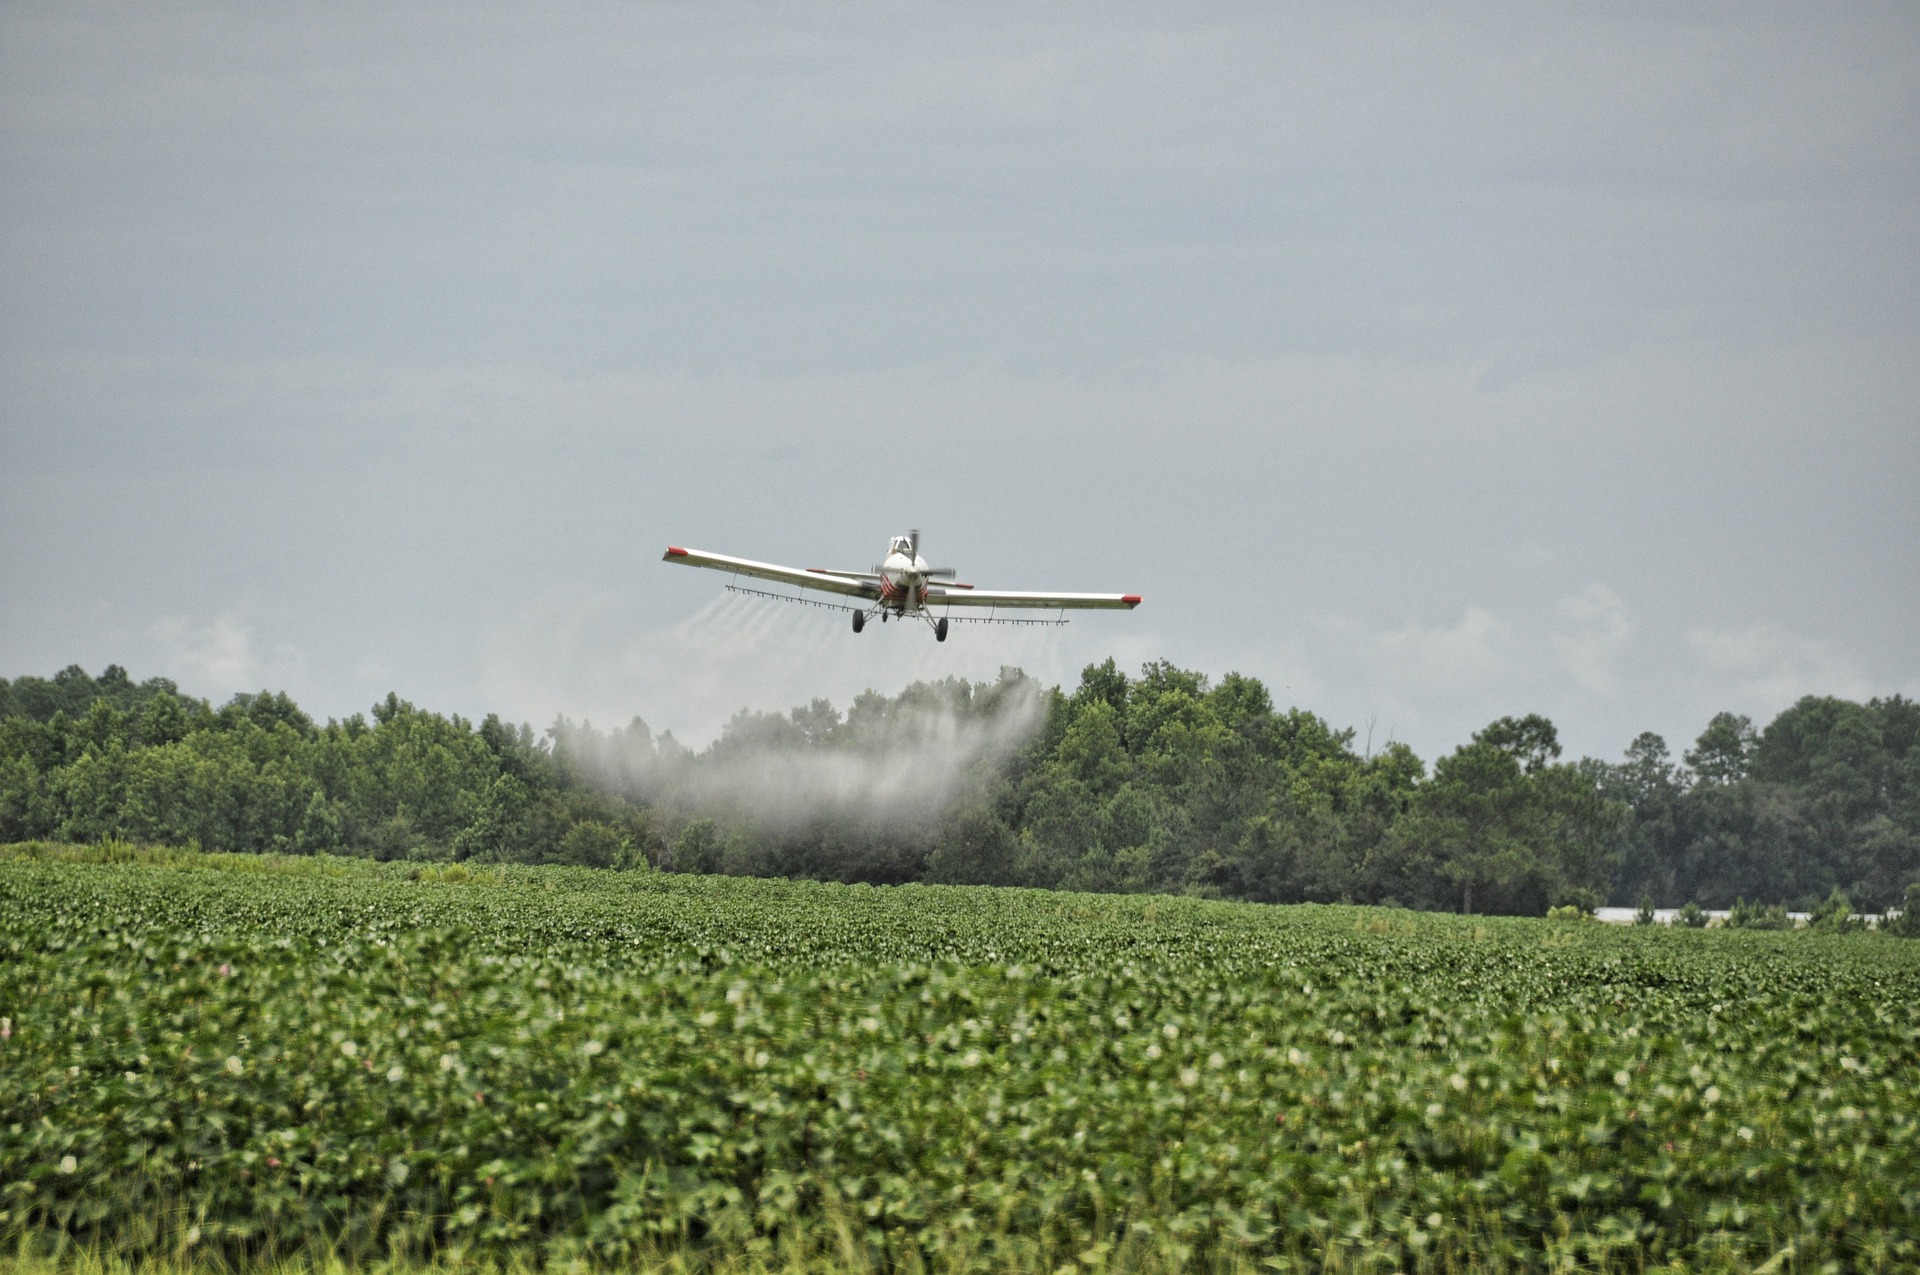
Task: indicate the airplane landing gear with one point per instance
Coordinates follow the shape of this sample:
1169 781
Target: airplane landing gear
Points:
859 620
940 629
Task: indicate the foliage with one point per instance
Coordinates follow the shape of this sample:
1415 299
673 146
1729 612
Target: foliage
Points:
1906 923
1826 798
1165 782
1755 916
1691 916
542 1064
1835 915
146 764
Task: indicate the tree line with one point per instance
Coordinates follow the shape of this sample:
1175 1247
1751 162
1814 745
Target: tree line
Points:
1165 781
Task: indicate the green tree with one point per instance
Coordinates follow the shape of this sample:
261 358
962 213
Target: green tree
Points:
1470 828
698 848
1722 753
1755 916
1906 923
973 847
1504 829
1650 786
499 825
1835 915
1531 740
592 844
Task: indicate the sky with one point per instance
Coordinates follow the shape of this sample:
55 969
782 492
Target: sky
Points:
1430 363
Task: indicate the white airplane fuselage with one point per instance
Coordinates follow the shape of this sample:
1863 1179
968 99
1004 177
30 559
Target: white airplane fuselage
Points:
903 581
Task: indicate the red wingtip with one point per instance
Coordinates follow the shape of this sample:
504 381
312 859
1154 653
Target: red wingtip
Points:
674 551
1131 599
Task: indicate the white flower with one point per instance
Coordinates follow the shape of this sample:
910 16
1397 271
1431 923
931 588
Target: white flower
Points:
348 1048
68 1164
1458 1081
447 1061
1189 1076
1622 1079
869 1024
395 1073
1216 1060
234 1065
1171 1031
593 1048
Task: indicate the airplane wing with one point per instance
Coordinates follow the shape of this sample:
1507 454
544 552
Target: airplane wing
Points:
852 584
958 595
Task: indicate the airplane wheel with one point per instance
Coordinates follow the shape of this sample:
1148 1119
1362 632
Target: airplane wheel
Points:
940 629
883 617
859 620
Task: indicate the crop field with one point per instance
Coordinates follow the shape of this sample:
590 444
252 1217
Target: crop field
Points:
226 1060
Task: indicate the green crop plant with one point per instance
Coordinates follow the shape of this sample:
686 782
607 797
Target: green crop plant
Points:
227 1063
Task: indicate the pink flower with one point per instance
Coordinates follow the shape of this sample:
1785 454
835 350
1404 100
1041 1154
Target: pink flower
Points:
225 970
273 1162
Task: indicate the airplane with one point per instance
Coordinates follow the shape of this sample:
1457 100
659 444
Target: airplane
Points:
903 586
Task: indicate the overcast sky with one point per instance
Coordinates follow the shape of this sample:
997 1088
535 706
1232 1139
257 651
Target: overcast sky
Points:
1429 368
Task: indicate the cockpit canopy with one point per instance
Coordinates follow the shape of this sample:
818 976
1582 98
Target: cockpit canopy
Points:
901 545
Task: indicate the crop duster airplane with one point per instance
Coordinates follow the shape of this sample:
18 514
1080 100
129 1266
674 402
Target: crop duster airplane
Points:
903 586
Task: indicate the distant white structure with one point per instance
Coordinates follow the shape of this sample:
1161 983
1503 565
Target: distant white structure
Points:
1667 916
1661 916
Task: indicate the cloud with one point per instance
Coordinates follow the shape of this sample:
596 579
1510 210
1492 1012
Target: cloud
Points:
1469 654
222 657
1600 630
1772 667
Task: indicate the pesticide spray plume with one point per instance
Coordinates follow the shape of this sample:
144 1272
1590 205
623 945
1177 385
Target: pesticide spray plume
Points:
891 771
886 761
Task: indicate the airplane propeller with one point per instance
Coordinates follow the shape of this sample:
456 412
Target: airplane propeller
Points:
913 538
